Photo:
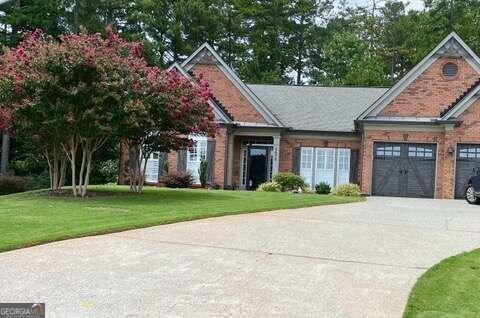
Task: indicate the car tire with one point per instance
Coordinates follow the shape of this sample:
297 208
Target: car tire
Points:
470 196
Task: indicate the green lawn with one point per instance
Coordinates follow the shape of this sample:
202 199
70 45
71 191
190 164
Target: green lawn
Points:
449 289
31 218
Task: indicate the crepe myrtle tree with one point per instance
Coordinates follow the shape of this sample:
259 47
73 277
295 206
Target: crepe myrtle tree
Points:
169 109
69 95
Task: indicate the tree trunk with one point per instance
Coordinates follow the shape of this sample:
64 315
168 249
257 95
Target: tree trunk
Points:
137 163
63 170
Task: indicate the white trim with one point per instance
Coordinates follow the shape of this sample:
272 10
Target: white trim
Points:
397 127
233 77
426 62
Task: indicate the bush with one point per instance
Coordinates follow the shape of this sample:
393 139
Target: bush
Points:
11 184
202 173
178 180
289 181
271 186
109 170
38 181
348 190
323 188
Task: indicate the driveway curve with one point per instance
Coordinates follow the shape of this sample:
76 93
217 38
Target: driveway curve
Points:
352 260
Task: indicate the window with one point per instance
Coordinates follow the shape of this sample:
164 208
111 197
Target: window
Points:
344 159
244 166
306 158
450 69
420 152
329 165
470 152
388 151
198 151
325 158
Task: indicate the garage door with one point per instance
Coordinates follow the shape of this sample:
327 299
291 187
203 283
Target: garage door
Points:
468 164
405 170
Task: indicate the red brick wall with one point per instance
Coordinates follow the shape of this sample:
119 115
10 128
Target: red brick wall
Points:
220 156
467 132
431 92
228 94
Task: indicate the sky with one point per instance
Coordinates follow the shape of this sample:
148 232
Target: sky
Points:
412 4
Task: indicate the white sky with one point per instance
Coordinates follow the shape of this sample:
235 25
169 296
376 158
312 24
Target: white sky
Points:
412 4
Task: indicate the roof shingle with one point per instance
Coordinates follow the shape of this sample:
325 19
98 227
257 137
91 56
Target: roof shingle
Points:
317 108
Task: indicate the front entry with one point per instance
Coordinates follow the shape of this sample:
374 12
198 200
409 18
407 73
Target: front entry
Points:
404 169
257 173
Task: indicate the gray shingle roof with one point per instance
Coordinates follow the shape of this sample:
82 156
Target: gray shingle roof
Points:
317 108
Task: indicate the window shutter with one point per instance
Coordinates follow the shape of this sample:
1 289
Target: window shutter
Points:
162 157
296 160
210 160
182 160
354 165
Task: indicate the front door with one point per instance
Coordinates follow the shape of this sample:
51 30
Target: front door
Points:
257 166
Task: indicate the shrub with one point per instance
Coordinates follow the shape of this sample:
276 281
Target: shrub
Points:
178 180
109 170
323 188
38 181
289 181
11 184
348 190
271 186
202 173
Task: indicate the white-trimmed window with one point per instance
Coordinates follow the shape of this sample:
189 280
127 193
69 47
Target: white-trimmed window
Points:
195 154
306 164
329 165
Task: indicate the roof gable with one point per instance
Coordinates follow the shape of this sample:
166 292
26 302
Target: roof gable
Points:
451 46
205 54
221 114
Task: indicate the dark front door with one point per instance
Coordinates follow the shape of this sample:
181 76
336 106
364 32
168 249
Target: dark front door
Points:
468 165
404 170
257 166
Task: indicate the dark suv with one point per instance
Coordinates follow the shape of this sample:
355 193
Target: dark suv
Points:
473 190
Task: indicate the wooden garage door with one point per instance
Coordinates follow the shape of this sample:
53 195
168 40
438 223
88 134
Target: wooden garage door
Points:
468 165
404 170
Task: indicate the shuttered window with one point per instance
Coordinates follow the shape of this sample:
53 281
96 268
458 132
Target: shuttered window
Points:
329 165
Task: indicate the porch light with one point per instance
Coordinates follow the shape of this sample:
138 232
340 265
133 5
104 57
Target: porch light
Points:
451 150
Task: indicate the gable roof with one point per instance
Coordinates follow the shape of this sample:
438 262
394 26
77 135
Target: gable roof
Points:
329 109
206 52
221 114
451 44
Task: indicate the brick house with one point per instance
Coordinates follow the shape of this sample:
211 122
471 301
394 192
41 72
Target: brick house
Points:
419 138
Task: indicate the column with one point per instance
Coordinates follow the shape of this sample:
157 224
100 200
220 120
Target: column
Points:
276 154
230 144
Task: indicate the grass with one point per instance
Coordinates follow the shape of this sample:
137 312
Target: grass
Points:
33 218
448 289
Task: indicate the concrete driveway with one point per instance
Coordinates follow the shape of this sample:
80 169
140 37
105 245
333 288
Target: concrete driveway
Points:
355 260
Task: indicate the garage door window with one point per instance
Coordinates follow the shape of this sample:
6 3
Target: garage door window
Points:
420 152
388 151
472 152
